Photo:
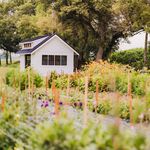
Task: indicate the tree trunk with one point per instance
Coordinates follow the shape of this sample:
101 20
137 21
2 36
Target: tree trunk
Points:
145 49
81 60
99 54
10 58
6 57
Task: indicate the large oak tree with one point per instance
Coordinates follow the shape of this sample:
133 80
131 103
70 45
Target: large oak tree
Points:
104 19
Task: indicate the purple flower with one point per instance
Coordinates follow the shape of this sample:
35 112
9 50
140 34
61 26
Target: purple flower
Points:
60 103
46 105
80 104
53 113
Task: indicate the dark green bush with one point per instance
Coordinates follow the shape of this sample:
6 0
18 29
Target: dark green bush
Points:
133 57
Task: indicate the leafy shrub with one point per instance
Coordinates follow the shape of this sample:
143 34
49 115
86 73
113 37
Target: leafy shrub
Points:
104 107
63 135
133 57
121 83
138 82
124 112
11 129
47 132
18 79
59 80
53 77
110 78
77 80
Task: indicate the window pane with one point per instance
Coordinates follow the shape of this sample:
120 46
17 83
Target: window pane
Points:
44 59
57 60
63 60
27 45
51 59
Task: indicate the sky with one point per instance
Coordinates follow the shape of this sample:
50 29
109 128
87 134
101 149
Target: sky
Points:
136 41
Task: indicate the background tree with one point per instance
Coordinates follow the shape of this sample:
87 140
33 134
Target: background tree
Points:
98 20
107 21
8 35
136 14
93 28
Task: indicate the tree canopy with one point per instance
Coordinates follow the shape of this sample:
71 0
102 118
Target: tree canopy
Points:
93 28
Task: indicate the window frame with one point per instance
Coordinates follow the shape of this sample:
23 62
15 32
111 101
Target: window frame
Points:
49 60
61 60
27 45
57 56
46 61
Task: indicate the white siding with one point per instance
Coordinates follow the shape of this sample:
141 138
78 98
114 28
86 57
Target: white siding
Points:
54 47
22 62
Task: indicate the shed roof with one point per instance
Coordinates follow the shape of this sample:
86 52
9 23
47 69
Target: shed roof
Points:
47 37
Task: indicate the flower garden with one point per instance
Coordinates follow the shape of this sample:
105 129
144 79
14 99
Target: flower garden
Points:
102 107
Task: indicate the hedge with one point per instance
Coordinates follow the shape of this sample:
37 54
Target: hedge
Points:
132 57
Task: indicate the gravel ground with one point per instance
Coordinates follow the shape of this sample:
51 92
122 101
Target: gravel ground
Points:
77 116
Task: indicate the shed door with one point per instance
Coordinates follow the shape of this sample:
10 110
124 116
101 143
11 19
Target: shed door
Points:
27 60
76 59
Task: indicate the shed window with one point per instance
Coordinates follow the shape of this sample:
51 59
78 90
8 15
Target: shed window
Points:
54 60
57 60
44 59
63 60
51 60
27 45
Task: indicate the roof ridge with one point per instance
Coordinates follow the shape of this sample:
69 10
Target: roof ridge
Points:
35 47
36 38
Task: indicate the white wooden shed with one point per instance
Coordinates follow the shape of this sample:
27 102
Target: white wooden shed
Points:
46 54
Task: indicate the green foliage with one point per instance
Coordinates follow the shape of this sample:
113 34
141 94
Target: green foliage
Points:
124 111
18 79
63 135
110 77
56 136
73 21
133 57
59 80
104 107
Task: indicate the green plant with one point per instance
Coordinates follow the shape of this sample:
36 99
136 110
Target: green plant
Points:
124 112
53 76
104 107
18 79
133 57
